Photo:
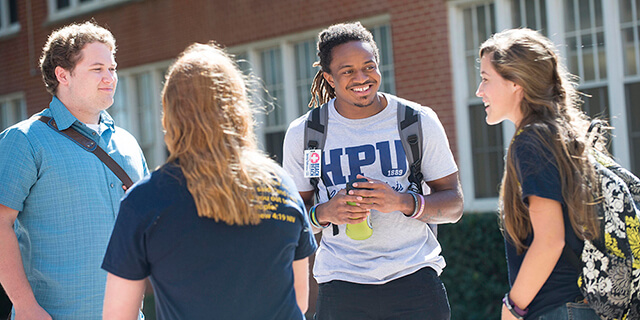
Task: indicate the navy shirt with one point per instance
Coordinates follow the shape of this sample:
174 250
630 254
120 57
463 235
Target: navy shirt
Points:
202 269
538 175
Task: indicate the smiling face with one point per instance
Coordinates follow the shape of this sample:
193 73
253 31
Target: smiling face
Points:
354 76
501 97
90 87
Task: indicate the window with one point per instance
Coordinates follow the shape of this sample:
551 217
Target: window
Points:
530 14
630 41
382 37
285 67
13 109
599 41
486 143
275 124
306 55
62 9
137 108
9 17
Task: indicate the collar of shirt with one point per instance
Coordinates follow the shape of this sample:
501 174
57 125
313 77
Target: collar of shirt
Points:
64 118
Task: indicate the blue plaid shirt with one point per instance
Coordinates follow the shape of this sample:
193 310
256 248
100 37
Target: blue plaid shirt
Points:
67 201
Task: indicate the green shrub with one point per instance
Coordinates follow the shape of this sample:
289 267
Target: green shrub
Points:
476 273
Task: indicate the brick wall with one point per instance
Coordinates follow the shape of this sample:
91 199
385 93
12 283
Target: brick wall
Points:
155 30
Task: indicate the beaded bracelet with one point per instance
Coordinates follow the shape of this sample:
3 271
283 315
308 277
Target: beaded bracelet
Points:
421 211
314 219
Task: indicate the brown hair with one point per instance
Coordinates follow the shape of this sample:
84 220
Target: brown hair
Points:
550 108
64 49
209 130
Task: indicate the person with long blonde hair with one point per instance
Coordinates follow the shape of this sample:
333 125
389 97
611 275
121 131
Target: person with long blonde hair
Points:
220 229
546 201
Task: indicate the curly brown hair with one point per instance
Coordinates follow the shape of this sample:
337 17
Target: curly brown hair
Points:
64 49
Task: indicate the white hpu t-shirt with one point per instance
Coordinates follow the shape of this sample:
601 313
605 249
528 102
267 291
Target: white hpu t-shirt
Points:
399 245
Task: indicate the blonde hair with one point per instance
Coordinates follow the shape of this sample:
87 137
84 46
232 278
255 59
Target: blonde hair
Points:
209 132
550 108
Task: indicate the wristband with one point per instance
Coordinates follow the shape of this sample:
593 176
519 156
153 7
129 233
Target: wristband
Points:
314 219
415 204
511 306
421 211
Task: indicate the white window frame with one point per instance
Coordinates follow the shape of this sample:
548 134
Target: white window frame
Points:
6 27
8 98
287 47
157 146
77 8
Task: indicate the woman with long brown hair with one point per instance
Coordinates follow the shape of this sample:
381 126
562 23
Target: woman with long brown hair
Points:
545 197
220 229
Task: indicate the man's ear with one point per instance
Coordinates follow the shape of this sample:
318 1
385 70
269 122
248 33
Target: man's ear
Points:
329 78
62 75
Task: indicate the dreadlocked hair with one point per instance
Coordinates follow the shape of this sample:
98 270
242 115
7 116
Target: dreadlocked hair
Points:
335 35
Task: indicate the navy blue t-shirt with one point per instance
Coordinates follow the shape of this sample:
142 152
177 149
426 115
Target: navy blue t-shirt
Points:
538 176
202 269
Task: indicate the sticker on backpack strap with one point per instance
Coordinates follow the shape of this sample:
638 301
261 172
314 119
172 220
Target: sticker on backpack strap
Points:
312 163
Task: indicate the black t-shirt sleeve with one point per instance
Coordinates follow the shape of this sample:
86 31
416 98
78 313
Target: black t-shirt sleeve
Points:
126 253
537 169
306 243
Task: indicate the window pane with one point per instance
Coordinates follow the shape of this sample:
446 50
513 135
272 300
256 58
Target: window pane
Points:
602 56
569 17
587 58
62 4
11 112
305 53
118 110
146 123
530 14
13 12
382 37
274 145
487 153
469 44
486 141
633 116
585 40
274 84
242 59
598 8
585 14
629 51
629 25
596 105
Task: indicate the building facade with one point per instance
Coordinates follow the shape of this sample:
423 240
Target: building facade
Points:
428 51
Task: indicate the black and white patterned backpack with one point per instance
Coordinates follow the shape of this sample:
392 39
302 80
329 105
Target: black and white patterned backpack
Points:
610 266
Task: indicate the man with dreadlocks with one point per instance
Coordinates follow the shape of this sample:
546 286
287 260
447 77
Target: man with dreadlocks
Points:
395 272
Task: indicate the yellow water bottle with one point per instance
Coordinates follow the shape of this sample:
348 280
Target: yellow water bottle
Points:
364 229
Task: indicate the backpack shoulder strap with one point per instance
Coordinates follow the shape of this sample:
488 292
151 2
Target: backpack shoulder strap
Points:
315 129
91 146
315 135
410 129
